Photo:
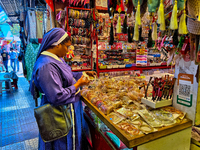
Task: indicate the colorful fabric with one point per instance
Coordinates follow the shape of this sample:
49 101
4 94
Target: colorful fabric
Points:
50 38
32 24
39 20
30 58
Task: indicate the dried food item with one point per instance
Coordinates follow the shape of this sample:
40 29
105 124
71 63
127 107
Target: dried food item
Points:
115 117
106 109
117 104
129 128
150 119
127 113
88 77
131 106
176 113
166 118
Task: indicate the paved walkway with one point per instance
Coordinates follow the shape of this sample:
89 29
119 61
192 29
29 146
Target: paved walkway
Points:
18 128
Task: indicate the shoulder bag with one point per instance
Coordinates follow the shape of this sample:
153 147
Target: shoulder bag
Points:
54 122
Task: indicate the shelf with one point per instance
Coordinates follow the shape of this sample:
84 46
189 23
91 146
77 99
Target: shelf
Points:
132 141
82 70
78 8
135 68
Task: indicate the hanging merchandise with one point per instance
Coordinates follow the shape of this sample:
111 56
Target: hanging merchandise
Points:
50 3
175 38
39 20
137 15
173 21
30 56
180 4
140 35
193 21
136 32
150 42
186 46
111 7
154 33
161 16
129 5
130 34
111 35
182 24
153 5
119 22
31 24
61 19
124 30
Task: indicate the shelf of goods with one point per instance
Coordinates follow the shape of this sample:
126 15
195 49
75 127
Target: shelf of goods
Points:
131 141
80 29
117 103
122 56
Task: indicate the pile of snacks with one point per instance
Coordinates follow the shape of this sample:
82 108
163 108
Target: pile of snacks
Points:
120 99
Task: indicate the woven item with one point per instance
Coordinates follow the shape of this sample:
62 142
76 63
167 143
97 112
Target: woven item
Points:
193 10
193 26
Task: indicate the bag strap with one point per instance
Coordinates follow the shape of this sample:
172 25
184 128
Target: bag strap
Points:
36 94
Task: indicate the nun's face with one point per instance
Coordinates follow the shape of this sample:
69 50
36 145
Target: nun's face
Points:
63 48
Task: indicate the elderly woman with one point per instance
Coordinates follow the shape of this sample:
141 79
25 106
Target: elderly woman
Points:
59 85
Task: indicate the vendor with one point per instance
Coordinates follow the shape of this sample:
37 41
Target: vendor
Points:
59 85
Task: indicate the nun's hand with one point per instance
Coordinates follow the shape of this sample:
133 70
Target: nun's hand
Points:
81 82
91 73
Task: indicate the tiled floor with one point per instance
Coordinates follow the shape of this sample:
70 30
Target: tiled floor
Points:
18 128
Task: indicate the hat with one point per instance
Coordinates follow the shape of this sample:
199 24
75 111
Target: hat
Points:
192 23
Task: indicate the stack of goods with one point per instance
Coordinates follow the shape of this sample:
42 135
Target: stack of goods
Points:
79 27
120 100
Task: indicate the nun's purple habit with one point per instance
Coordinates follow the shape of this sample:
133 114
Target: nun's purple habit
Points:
54 78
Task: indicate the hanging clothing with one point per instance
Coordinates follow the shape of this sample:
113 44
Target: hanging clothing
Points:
39 20
31 24
47 21
30 58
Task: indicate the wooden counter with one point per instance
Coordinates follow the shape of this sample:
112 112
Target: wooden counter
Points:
132 141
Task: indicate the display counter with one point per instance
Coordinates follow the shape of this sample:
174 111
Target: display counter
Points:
173 135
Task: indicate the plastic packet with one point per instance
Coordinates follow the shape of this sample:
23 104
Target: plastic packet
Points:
165 117
106 109
150 119
115 117
129 128
127 113
142 126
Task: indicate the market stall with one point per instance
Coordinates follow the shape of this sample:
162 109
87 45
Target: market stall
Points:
134 123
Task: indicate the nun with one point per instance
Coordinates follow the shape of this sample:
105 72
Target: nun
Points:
59 85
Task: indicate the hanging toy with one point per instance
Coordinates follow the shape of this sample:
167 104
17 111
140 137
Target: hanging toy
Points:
137 15
173 21
154 33
182 24
136 32
124 30
161 16
119 22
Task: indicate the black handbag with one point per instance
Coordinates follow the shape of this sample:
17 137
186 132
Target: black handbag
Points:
54 122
